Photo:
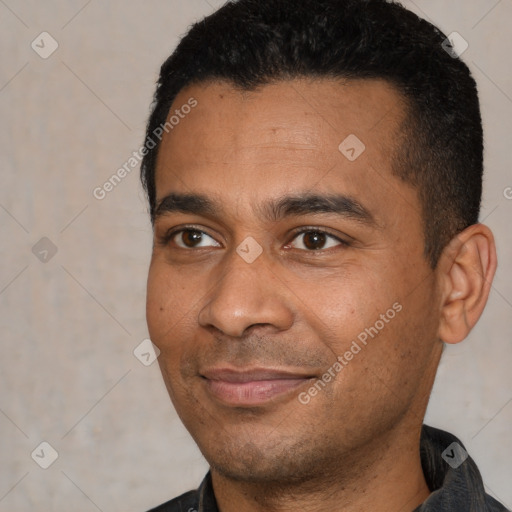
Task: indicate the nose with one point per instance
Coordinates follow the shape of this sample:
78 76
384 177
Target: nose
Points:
247 294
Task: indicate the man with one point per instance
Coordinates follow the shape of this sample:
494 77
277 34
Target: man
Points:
314 173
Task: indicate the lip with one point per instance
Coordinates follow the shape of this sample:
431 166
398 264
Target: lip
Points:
252 386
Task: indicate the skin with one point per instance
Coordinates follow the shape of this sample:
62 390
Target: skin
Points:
306 298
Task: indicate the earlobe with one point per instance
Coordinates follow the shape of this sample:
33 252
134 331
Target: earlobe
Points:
465 272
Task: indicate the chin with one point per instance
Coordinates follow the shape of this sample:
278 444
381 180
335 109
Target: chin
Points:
266 461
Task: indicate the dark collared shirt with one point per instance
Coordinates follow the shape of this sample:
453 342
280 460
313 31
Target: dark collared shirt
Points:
454 481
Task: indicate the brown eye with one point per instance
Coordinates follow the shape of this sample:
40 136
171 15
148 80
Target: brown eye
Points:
313 240
192 238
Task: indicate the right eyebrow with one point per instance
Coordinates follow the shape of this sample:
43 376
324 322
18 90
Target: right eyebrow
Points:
186 203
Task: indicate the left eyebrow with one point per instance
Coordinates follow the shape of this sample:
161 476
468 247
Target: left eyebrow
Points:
272 210
307 204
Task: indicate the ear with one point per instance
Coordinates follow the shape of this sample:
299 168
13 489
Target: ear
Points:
465 271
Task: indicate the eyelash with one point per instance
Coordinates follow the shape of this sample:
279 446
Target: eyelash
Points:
167 237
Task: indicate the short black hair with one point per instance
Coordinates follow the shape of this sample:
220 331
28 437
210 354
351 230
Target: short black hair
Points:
250 43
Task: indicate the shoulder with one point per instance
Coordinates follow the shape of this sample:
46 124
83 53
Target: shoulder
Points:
192 501
187 502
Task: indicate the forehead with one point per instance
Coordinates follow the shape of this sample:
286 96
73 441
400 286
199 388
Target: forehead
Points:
299 134
317 105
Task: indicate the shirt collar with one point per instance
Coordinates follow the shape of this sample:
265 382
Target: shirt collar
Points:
207 501
451 475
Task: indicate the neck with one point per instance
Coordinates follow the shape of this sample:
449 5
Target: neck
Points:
385 475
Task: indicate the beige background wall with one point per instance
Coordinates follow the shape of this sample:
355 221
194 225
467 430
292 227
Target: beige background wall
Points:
69 325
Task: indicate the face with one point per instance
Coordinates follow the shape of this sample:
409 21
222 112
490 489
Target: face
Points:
288 292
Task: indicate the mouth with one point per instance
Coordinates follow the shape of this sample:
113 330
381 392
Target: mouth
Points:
252 387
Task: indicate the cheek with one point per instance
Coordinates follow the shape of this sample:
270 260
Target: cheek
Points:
397 340
341 309
156 300
169 306
167 303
